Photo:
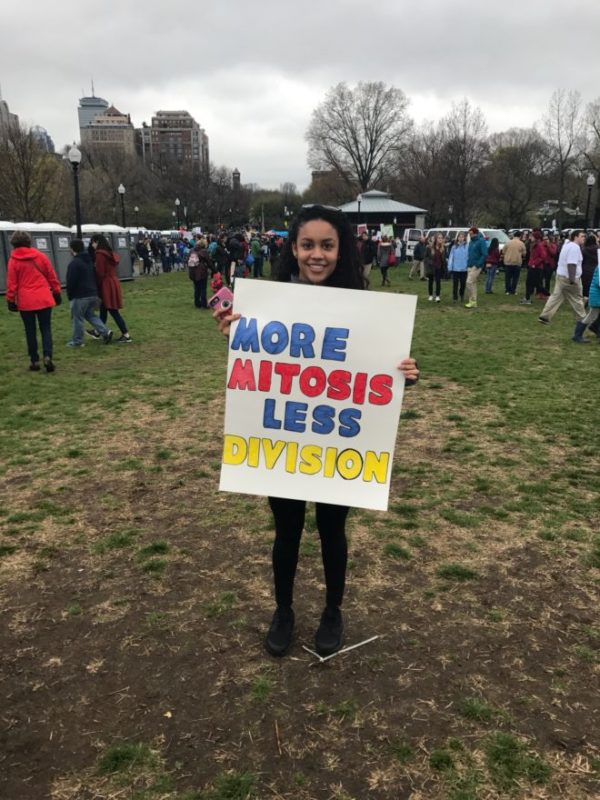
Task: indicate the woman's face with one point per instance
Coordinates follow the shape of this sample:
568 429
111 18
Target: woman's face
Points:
316 250
460 238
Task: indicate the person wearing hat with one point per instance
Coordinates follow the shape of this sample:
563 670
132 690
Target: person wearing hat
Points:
476 261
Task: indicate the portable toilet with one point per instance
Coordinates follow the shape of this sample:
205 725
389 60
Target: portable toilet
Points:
121 243
6 229
61 240
119 240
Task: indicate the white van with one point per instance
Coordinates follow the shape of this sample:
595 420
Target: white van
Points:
411 236
450 234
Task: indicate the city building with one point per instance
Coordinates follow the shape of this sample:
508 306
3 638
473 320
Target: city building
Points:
89 108
7 119
43 138
101 125
174 137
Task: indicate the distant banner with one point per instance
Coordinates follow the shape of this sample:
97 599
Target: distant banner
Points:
387 230
313 392
360 229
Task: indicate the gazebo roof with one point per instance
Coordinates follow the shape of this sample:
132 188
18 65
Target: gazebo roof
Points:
375 202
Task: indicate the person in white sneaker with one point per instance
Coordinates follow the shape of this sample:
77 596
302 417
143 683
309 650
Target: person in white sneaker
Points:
435 261
476 260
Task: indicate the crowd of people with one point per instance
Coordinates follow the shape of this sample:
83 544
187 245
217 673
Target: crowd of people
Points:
94 290
570 261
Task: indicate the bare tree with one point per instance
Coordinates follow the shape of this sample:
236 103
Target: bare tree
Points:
591 150
517 162
219 198
561 129
463 156
418 179
326 187
33 183
358 132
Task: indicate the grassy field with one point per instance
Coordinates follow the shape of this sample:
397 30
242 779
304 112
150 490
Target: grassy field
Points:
135 597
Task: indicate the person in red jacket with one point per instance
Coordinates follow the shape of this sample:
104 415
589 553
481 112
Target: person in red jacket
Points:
33 289
538 256
492 262
109 286
549 264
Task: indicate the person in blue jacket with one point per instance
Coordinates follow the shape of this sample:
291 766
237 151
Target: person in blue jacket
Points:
593 309
457 266
476 262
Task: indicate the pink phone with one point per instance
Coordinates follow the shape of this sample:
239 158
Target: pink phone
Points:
222 301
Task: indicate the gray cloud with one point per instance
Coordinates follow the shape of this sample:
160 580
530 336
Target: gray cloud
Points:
252 74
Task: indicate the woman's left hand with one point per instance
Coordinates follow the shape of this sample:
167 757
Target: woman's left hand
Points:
409 369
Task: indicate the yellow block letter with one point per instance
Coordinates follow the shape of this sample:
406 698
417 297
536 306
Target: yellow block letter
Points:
234 450
311 459
376 466
272 451
349 464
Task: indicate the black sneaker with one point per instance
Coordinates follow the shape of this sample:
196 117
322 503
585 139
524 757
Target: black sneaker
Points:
279 636
330 635
94 334
124 339
544 321
108 337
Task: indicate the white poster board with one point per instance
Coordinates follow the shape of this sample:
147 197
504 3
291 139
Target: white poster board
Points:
313 392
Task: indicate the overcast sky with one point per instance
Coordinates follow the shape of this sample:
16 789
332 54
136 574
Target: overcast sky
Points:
251 73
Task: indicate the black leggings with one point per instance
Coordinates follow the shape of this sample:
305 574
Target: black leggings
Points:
289 523
104 312
533 284
459 281
437 277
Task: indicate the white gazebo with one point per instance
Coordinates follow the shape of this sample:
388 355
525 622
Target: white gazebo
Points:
374 208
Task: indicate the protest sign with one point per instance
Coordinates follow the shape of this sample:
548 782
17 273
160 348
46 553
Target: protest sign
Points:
313 392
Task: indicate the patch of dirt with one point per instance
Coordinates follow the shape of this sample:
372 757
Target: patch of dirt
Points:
98 650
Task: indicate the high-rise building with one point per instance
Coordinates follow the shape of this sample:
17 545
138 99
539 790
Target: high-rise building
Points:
173 138
7 119
110 128
89 108
43 138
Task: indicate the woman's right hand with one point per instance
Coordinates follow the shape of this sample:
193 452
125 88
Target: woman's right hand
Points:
224 321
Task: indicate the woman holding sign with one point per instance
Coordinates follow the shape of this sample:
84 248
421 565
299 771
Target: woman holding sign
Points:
321 250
